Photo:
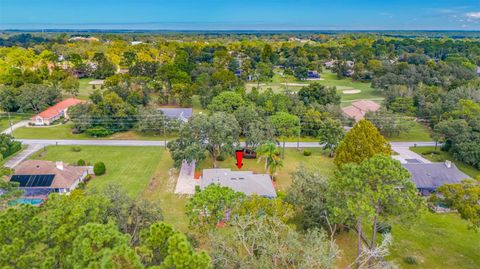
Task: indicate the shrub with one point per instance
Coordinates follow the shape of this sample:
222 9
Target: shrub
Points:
81 185
99 169
98 131
81 162
220 158
383 227
88 177
410 260
76 149
307 152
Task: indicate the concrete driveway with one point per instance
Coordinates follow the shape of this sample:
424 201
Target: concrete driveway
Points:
22 155
405 155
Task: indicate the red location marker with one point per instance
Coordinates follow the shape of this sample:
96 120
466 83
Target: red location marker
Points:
239 154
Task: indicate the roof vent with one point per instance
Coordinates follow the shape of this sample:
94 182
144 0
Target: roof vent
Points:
448 164
59 165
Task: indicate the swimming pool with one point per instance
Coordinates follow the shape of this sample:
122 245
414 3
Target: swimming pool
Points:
30 201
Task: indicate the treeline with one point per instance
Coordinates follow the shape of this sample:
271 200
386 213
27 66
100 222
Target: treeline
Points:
420 77
104 229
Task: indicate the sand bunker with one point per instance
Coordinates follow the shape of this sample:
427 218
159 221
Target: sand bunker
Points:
295 84
352 91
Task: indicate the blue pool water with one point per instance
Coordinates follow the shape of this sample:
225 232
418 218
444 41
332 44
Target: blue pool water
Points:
30 201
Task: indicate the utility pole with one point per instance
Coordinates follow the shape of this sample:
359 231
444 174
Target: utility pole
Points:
298 139
164 133
10 123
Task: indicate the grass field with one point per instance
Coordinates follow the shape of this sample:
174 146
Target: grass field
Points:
328 79
443 156
85 89
64 131
5 121
434 240
418 133
129 167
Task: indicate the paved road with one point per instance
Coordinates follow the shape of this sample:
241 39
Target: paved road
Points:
17 125
36 144
47 142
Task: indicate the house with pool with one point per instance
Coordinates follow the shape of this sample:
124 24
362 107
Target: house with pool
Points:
40 178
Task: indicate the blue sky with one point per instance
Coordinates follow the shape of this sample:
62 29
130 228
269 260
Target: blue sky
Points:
241 14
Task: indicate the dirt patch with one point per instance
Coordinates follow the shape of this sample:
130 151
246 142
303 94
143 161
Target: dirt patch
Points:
352 91
172 179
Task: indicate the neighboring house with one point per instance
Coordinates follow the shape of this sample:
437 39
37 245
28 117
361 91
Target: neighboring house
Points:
182 114
39 178
330 64
54 113
240 181
358 109
430 176
81 38
313 75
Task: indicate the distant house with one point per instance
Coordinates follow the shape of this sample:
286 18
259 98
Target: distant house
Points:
240 181
478 70
81 38
330 64
54 113
430 176
350 64
358 109
136 43
182 114
39 178
313 75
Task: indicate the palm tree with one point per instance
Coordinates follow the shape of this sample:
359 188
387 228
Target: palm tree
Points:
270 154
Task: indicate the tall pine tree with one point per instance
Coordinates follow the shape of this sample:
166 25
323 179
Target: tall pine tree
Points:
361 143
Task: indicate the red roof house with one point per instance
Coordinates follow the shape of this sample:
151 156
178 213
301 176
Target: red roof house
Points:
55 112
358 109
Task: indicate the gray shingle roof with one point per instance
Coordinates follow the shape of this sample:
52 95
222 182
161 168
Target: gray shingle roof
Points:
433 175
182 114
241 181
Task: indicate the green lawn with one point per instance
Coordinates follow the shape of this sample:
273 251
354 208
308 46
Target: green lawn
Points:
64 131
328 79
5 121
418 133
435 240
85 89
293 159
443 156
129 167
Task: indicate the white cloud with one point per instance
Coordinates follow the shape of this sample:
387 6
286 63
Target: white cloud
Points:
473 15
